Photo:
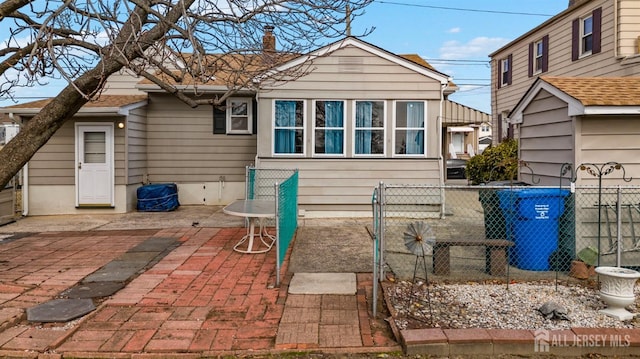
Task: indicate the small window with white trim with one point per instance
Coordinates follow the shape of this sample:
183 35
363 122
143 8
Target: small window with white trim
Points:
586 35
538 53
239 115
505 71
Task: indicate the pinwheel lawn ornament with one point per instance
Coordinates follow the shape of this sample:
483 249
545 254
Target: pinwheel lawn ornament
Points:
419 240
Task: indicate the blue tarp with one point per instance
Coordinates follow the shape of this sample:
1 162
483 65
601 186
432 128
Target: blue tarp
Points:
159 197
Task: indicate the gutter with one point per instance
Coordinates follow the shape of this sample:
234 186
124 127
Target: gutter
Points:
25 190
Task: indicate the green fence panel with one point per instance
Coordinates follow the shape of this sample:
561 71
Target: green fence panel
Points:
287 214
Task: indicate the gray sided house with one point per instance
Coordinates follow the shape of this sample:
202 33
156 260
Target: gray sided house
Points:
359 116
579 120
591 38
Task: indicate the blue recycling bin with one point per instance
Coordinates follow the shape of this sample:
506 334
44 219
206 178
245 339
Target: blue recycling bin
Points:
531 218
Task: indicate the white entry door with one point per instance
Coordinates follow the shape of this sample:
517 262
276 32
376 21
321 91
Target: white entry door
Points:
457 138
94 165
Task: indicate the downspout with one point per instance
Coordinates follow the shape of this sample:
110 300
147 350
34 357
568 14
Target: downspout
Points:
25 190
255 161
25 179
615 29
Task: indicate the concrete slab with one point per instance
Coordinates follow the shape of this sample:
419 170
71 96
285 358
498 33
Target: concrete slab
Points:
139 256
60 310
92 290
114 273
154 244
323 283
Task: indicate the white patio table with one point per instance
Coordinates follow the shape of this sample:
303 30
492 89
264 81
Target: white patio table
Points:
254 210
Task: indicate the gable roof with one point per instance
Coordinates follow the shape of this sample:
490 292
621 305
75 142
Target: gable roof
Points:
586 95
105 105
407 61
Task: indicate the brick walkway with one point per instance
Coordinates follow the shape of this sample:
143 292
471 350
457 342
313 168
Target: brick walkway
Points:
202 298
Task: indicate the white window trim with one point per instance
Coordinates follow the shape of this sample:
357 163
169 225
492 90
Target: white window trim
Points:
582 52
536 57
229 114
273 129
384 130
393 151
502 71
344 129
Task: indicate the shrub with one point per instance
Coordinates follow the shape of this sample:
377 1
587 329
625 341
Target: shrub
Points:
494 164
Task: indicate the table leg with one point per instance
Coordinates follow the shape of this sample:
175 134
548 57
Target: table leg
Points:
250 236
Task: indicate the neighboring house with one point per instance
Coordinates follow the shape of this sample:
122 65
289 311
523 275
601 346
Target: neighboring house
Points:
360 116
462 129
591 38
485 136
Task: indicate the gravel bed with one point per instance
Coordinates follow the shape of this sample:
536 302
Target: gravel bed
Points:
497 306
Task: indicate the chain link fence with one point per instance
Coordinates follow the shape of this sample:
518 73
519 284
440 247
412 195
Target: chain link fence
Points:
281 186
505 231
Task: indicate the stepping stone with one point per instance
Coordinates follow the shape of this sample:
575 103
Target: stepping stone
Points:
154 244
60 310
92 290
323 283
113 273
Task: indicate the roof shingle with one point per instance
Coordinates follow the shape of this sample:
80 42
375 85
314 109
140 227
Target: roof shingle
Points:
110 101
599 91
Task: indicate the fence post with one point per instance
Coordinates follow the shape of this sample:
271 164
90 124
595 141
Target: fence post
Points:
618 229
277 220
376 223
381 246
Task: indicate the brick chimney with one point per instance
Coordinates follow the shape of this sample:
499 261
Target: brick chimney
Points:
268 40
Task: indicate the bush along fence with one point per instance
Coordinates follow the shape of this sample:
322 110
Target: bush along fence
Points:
280 185
506 232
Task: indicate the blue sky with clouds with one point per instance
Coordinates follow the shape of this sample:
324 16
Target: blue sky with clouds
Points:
465 31
459 30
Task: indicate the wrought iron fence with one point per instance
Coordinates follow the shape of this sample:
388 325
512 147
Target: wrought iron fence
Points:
504 231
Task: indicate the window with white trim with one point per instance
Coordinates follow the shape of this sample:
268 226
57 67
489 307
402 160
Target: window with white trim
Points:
538 53
586 35
329 127
239 115
369 128
410 128
288 135
505 71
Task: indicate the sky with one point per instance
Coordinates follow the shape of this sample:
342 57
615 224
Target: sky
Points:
454 36
462 32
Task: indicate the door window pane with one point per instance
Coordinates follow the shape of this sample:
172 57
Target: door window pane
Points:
94 147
